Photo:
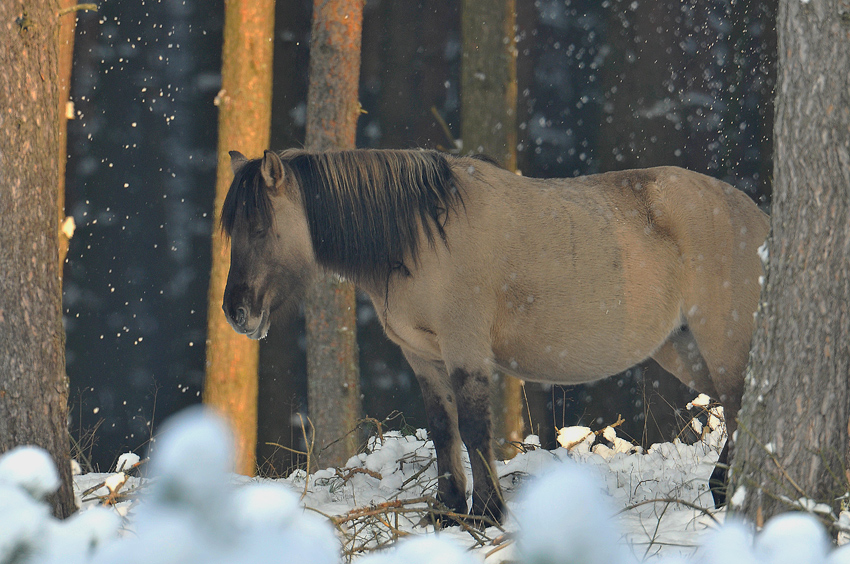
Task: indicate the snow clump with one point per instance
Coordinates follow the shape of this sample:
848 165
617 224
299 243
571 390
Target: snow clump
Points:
563 518
31 469
195 513
28 531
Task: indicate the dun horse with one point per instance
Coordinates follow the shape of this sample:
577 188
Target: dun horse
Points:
474 269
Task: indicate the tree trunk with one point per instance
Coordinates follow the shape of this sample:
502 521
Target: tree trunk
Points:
488 84
333 387
33 384
65 41
244 125
488 88
634 133
636 130
793 435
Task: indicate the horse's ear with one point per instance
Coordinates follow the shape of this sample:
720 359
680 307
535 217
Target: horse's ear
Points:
237 161
271 169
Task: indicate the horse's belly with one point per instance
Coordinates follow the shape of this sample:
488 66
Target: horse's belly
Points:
590 356
591 330
566 370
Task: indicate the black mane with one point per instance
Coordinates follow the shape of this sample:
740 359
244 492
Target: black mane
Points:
364 208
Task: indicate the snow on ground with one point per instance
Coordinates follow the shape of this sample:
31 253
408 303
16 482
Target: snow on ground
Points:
595 500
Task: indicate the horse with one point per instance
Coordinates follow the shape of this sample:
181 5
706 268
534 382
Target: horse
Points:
474 269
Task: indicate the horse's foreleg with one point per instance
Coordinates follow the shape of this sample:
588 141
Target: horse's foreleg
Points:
472 389
441 410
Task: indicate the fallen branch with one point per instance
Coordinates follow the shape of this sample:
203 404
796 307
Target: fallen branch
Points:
105 483
670 500
381 508
352 471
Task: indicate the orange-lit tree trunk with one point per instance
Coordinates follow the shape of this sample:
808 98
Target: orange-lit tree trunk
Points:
68 10
488 97
33 384
65 42
244 125
332 110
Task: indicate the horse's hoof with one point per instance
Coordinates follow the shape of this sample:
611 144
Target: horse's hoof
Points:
718 493
717 485
491 516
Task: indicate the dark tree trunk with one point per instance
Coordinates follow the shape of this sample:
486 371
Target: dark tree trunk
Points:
333 387
488 79
488 93
283 385
244 124
33 385
636 131
793 433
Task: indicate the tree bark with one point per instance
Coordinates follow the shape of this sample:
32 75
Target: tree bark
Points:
244 124
793 435
333 387
33 384
488 89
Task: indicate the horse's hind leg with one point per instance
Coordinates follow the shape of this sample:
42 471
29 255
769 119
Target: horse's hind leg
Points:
723 334
441 410
724 342
726 348
680 355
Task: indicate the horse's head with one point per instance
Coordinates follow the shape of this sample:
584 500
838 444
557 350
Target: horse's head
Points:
271 256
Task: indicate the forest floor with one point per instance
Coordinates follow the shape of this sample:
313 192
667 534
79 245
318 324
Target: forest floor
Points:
597 499
659 498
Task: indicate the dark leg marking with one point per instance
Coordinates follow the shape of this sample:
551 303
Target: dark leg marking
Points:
474 420
442 423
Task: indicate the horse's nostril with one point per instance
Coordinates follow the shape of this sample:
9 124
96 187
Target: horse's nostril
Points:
241 316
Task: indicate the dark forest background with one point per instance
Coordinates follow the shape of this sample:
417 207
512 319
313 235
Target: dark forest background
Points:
603 85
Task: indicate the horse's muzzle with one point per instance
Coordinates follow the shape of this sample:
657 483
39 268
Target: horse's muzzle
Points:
240 319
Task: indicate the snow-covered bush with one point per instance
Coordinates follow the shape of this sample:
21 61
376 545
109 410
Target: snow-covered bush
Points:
192 512
28 531
563 518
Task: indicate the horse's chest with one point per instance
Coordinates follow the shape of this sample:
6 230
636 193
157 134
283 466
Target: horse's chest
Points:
416 339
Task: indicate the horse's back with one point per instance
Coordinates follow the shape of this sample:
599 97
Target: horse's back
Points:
579 278
715 230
